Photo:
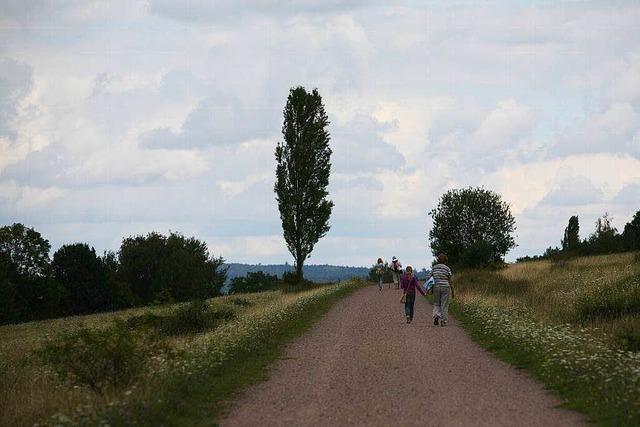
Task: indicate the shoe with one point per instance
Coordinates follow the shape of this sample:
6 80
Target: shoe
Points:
408 320
435 320
443 323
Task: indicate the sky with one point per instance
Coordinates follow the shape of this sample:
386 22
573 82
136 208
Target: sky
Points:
118 118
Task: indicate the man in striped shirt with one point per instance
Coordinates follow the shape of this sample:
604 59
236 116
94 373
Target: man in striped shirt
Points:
441 274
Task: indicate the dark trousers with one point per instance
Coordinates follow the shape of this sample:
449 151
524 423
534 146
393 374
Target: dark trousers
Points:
408 305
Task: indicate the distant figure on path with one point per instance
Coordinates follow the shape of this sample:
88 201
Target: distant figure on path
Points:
380 272
409 285
396 271
441 274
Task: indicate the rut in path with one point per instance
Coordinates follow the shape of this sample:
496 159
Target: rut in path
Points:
361 364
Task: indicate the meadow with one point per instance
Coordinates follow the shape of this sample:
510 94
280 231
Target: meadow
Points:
573 323
170 365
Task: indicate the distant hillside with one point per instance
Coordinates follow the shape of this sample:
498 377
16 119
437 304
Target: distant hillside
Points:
315 273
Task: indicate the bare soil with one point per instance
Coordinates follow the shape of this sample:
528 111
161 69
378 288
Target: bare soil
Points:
361 364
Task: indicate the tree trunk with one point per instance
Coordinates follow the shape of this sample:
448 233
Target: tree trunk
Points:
299 264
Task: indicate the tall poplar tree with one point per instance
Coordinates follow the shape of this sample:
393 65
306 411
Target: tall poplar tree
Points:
302 174
571 239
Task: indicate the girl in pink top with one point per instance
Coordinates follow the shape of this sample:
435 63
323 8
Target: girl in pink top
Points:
409 285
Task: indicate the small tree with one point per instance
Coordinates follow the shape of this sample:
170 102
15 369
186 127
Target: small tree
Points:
472 219
302 174
253 282
28 251
571 240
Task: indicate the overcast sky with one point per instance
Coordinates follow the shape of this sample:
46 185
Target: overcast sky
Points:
123 117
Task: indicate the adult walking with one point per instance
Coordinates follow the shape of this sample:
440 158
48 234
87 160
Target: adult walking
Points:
380 272
396 271
442 289
409 286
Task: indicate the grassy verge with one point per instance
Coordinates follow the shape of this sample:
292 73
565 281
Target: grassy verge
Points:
214 369
87 371
563 323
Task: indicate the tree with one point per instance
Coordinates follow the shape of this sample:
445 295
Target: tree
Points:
28 251
302 174
256 281
631 234
571 240
175 266
25 259
472 219
605 238
84 278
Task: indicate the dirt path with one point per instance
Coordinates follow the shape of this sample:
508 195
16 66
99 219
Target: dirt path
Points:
363 365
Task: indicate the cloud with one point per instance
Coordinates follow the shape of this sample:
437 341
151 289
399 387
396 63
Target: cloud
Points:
573 191
216 121
222 10
615 130
16 82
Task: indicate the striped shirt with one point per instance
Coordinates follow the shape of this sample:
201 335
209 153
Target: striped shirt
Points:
441 275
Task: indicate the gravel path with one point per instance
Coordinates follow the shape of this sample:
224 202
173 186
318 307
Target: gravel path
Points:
361 364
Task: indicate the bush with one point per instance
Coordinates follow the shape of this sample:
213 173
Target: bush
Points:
290 278
477 254
103 359
254 282
194 317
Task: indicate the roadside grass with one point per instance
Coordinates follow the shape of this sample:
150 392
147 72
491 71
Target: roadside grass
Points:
184 383
575 325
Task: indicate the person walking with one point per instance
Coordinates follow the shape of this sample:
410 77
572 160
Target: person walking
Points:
442 289
409 286
380 273
396 271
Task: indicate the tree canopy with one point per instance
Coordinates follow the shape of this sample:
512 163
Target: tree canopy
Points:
473 226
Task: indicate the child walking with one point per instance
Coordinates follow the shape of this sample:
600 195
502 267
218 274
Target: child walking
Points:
409 285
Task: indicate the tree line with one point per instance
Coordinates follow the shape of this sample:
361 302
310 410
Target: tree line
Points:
147 269
605 239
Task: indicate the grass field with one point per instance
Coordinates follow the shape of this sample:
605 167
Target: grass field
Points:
179 377
575 324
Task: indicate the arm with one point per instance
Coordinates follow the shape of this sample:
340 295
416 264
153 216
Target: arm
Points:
419 287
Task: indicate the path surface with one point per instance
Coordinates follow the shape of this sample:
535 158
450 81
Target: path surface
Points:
362 364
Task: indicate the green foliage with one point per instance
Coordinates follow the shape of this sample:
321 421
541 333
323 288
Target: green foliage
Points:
84 278
477 254
27 250
571 240
183 266
194 317
605 238
627 335
631 234
253 282
302 174
465 217
101 359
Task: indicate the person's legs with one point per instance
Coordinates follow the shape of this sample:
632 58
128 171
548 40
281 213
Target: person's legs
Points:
436 305
407 312
396 279
444 306
411 300
380 282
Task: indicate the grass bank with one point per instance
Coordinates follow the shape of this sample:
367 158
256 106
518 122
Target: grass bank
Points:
184 383
575 325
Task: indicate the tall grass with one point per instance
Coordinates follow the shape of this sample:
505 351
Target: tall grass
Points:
575 324
188 359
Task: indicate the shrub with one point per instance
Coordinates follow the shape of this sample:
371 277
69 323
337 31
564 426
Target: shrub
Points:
254 282
240 301
102 359
194 317
290 278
